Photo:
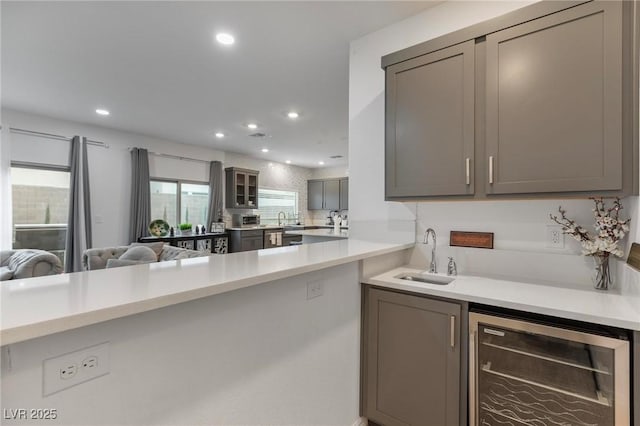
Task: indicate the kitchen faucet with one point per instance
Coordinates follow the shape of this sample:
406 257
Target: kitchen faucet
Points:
284 216
432 267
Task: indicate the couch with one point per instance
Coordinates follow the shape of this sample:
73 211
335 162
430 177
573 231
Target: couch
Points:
27 263
109 257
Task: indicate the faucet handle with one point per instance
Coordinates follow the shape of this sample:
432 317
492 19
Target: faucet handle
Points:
452 269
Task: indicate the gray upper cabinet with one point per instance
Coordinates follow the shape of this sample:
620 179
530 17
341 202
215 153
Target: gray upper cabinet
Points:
344 194
430 124
412 364
326 194
554 103
540 102
314 195
241 188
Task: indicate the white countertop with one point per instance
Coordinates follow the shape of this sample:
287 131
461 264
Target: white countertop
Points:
253 228
616 307
41 306
320 233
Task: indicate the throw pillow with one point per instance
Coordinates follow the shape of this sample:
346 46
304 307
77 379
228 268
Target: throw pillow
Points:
156 247
116 263
5 273
140 253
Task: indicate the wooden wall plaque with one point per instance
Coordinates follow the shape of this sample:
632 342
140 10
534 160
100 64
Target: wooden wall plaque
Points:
471 239
634 256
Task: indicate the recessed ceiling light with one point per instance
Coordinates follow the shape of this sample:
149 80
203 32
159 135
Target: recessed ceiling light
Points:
100 111
219 135
225 38
293 114
321 163
265 150
252 125
288 161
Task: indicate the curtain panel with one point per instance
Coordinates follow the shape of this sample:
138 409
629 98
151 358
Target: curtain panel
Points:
140 194
215 193
79 236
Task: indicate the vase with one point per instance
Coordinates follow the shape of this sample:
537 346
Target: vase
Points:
603 278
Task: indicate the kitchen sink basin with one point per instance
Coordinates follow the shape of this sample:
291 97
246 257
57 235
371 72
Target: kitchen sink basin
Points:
425 278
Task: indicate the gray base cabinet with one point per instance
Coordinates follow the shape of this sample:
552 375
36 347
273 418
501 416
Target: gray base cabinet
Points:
412 364
246 240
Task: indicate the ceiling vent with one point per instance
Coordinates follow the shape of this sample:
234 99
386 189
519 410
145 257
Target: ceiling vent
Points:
258 135
336 156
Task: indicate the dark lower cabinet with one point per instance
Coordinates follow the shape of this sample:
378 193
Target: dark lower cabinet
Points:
246 240
412 363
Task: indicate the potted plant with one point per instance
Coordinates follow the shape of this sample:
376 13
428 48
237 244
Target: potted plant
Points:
185 228
610 229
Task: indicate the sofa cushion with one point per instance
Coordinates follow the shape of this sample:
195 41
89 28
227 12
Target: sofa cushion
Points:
116 263
140 253
156 247
5 273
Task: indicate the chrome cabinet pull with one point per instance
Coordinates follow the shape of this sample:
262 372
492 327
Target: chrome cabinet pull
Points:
467 167
491 169
453 331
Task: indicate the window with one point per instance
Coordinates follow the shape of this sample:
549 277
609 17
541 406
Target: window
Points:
192 206
40 206
273 201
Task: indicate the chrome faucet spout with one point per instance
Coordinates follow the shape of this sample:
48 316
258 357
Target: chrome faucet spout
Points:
432 266
284 215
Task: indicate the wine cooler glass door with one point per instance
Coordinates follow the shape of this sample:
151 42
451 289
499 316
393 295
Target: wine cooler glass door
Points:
527 373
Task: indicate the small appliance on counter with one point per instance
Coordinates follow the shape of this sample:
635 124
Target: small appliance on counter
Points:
245 220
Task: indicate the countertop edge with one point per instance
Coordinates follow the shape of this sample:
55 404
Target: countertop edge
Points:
51 326
385 280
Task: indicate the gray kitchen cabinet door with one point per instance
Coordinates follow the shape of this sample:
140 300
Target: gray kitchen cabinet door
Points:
344 194
554 103
429 134
331 194
314 195
413 362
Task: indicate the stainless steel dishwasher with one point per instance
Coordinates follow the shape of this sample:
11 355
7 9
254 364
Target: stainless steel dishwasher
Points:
523 372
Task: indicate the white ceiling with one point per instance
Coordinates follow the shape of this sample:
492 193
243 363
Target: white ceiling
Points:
157 68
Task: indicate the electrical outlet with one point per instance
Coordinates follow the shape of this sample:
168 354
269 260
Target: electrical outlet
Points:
555 237
77 367
315 289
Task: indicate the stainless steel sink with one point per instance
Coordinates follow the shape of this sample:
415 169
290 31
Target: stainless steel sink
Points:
425 278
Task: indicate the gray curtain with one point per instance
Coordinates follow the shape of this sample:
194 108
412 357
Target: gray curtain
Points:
215 193
79 220
140 194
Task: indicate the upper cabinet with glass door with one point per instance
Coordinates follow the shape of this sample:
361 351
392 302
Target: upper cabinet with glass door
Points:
241 188
538 102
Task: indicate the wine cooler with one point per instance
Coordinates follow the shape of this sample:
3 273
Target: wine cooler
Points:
526 373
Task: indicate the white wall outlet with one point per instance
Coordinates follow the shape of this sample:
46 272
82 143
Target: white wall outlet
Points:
555 237
315 289
77 367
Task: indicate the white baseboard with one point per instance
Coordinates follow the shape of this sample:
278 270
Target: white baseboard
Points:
360 422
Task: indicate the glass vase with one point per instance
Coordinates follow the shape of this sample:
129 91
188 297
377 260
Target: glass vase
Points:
603 277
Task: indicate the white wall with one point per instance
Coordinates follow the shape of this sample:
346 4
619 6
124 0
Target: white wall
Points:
519 226
259 355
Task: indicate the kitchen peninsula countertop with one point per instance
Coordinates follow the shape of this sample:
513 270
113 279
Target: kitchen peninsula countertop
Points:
42 306
618 307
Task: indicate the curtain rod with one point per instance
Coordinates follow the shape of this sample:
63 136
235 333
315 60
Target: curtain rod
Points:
176 157
56 137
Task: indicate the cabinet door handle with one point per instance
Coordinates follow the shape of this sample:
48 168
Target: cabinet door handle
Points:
467 168
491 169
452 336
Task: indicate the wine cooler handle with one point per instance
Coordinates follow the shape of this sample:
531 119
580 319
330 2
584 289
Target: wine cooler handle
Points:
472 379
